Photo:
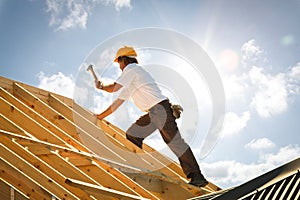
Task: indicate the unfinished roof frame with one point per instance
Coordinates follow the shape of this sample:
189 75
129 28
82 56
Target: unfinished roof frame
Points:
40 143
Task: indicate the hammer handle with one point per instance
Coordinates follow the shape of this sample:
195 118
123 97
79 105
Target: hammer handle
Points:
93 72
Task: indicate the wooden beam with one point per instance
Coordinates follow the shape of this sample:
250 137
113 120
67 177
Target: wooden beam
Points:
56 104
80 120
42 179
162 189
8 125
41 120
77 160
83 115
190 188
66 168
41 165
46 111
7 84
19 180
95 189
122 177
94 170
27 141
28 124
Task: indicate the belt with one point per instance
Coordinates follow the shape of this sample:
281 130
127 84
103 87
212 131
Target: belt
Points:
160 103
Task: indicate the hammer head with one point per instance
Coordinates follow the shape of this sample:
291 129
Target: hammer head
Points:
90 67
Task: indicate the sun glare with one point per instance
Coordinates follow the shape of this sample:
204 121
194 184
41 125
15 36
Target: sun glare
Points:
229 60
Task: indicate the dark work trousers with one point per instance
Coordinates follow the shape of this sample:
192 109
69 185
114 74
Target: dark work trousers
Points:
161 117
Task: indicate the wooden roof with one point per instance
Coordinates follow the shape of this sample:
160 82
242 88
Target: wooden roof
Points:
43 155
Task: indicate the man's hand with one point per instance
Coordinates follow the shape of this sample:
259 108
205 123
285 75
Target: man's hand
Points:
99 116
98 84
114 106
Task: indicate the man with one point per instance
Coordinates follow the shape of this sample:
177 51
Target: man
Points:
136 83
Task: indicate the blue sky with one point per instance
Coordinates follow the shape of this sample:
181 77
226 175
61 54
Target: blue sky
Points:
254 44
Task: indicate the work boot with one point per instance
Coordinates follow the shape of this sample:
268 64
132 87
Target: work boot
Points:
198 180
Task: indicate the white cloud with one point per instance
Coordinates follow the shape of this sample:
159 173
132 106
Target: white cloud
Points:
81 95
54 7
233 123
235 87
295 72
268 94
271 92
250 48
294 79
232 173
121 4
252 53
285 154
77 17
260 144
68 14
57 83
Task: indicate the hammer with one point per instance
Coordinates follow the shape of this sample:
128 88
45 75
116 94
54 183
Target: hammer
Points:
90 68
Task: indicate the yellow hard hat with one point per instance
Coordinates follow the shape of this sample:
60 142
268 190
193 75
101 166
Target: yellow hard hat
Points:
125 51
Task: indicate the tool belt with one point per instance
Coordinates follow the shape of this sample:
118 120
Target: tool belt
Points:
177 109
